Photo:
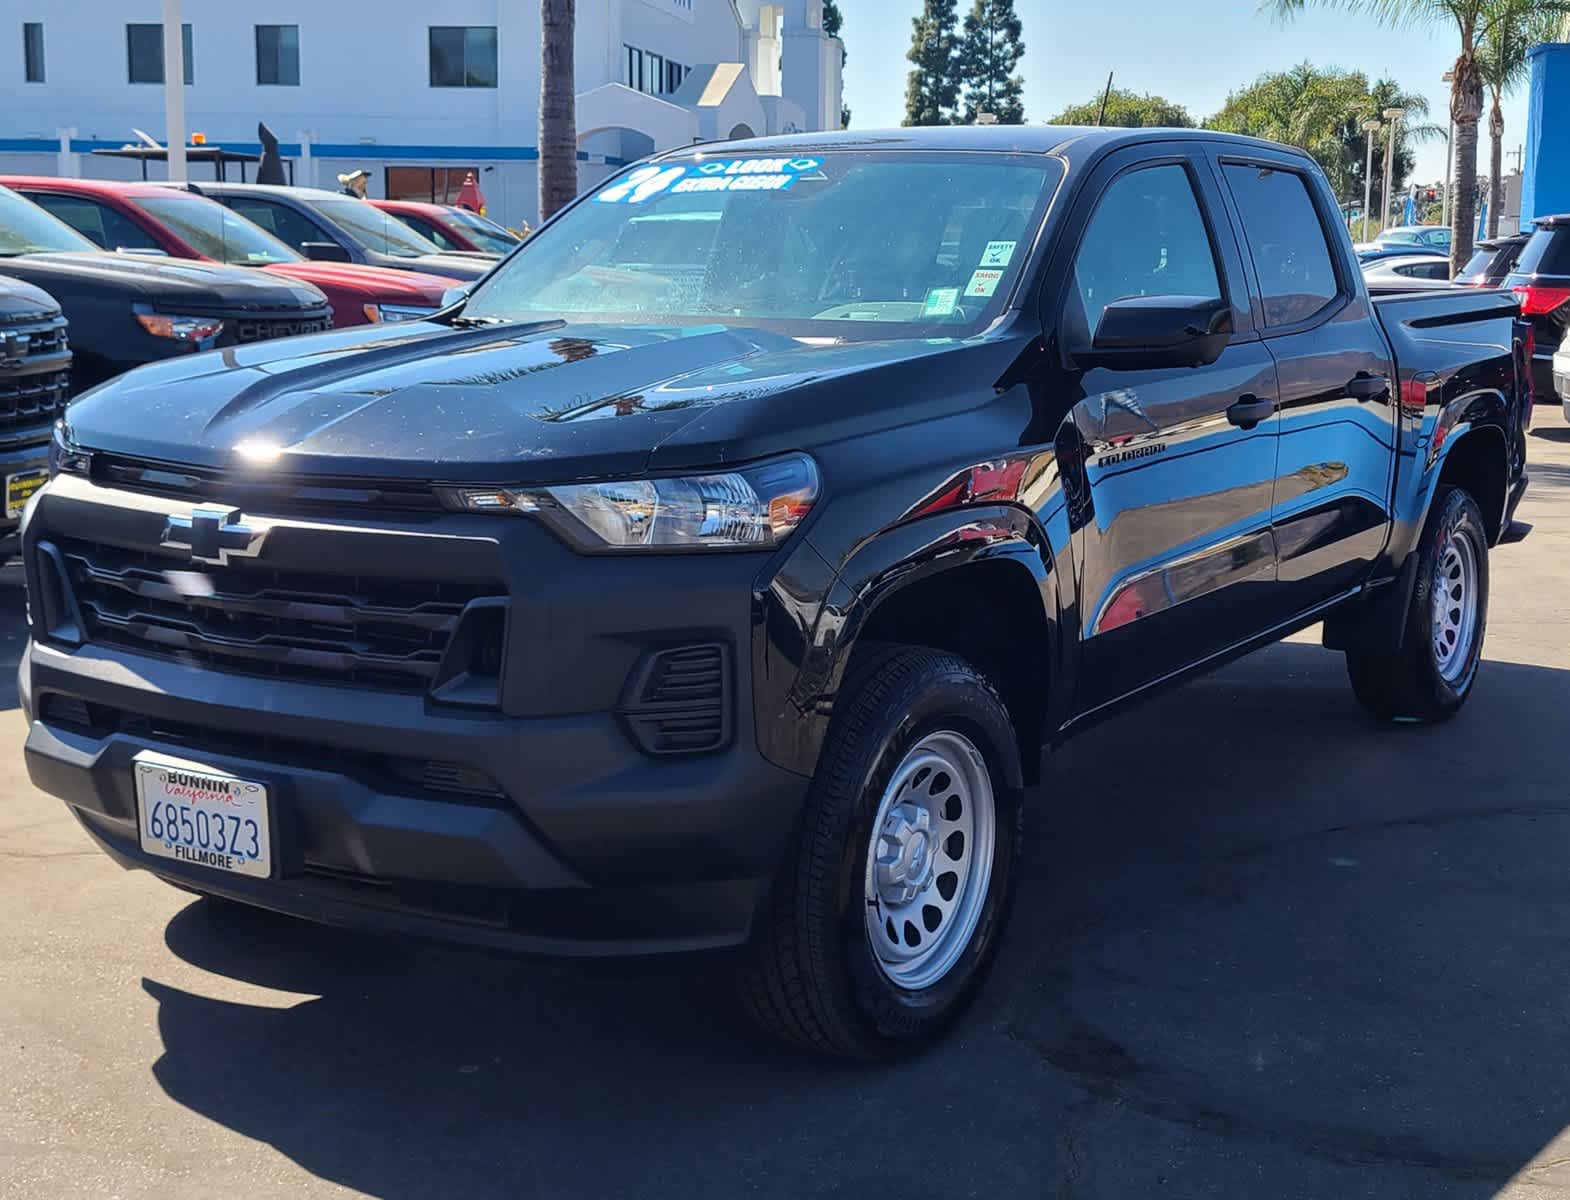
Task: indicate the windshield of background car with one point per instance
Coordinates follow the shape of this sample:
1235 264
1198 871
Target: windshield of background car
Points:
374 229
211 229
837 244
487 235
27 229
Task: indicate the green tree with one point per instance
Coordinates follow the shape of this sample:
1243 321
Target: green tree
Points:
1127 110
988 55
1323 111
832 20
932 90
1515 26
1471 20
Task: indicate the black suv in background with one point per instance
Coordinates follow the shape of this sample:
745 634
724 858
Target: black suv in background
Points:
129 309
1541 282
1492 260
35 369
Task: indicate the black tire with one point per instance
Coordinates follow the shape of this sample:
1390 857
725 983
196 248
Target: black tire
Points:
1408 685
814 979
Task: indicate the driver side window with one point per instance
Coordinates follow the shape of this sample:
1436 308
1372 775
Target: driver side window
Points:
1146 238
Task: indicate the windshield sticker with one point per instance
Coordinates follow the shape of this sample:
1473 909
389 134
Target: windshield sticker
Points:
940 302
983 283
712 175
997 254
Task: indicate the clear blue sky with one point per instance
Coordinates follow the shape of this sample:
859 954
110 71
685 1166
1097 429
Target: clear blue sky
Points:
1168 48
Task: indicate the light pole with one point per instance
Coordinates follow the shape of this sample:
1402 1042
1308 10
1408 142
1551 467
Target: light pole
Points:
1450 157
174 90
1393 115
1370 128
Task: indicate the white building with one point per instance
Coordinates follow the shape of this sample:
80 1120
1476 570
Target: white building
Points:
378 84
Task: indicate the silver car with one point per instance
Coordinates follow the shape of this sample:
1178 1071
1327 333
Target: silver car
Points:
1562 377
1408 273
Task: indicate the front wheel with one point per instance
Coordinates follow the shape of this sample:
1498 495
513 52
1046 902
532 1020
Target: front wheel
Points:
887 912
1431 676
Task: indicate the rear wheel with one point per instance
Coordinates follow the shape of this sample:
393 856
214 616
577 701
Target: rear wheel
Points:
1432 674
888 910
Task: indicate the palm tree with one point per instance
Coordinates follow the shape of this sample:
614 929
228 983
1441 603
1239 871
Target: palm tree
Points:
1472 20
558 107
1516 26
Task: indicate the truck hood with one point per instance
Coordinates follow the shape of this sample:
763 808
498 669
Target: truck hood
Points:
164 282
376 284
461 265
23 300
536 403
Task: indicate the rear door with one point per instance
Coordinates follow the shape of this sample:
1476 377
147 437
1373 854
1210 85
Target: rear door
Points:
1176 551
1338 403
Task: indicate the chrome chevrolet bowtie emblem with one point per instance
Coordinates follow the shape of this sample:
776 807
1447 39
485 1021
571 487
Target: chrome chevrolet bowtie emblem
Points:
214 535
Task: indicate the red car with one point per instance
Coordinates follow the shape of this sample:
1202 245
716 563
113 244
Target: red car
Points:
452 228
153 218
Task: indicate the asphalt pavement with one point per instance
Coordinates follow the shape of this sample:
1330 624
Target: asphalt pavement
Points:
1262 949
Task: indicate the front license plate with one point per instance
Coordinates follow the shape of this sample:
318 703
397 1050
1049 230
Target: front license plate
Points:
193 814
19 489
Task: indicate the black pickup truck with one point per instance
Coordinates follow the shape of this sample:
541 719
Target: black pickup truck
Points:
130 309
719 572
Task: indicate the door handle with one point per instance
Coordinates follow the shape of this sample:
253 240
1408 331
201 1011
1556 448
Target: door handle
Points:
1250 411
1368 387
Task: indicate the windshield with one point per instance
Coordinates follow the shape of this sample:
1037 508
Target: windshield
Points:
374 229
213 230
828 244
487 235
27 229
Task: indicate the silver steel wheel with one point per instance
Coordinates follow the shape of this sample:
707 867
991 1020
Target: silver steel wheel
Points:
929 862
1454 621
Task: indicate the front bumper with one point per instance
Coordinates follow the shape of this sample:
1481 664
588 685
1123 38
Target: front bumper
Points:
582 844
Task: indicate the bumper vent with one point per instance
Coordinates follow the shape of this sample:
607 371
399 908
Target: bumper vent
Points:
256 621
678 701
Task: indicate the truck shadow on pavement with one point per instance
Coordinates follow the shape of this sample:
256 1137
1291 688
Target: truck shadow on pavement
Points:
1262 947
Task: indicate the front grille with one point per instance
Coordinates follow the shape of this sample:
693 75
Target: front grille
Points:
263 621
35 376
677 702
262 329
426 778
273 492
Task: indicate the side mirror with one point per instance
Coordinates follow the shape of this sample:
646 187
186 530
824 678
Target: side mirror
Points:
453 295
324 252
1142 332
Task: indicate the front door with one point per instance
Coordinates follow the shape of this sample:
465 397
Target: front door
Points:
1176 554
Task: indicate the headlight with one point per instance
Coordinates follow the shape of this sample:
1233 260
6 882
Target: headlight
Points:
748 509
65 456
180 329
377 313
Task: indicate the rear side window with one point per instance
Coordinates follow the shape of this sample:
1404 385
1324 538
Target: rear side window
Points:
1146 238
1477 264
1548 253
1297 276
1438 269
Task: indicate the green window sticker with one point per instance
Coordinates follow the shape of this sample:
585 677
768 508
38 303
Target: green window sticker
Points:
940 302
997 254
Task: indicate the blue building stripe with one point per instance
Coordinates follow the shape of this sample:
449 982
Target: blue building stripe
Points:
459 154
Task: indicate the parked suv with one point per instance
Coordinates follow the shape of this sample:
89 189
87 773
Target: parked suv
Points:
719 572
181 223
1541 282
35 378
1492 261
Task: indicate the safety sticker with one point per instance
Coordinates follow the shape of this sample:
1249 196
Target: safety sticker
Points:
997 254
983 283
940 302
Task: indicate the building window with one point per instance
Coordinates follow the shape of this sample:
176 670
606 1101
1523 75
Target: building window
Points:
144 49
652 73
278 55
463 56
33 51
